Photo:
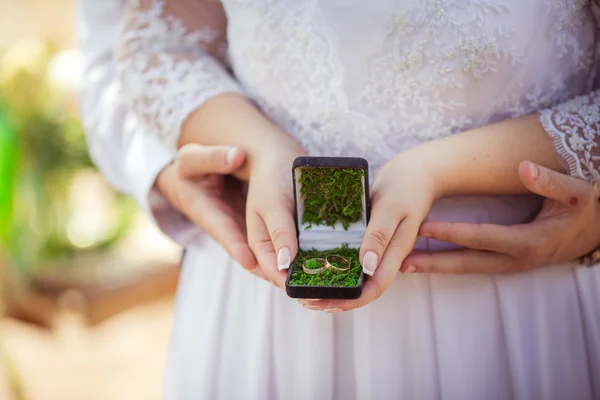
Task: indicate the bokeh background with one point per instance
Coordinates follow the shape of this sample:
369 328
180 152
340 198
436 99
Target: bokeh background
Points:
86 281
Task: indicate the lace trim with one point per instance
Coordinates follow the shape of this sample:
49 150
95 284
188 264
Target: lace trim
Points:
167 70
575 130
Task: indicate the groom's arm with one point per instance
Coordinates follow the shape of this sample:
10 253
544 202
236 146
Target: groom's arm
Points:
127 157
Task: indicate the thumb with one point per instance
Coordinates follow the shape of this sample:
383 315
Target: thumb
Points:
554 185
194 160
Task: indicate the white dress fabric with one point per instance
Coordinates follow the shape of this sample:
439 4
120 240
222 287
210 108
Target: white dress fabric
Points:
372 79
119 144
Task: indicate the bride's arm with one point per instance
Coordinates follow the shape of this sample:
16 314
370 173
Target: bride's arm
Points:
485 160
173 70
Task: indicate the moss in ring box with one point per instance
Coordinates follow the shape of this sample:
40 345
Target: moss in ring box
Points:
331 195
327 277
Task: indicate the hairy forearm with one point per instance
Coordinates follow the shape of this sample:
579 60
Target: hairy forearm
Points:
485 160
232 120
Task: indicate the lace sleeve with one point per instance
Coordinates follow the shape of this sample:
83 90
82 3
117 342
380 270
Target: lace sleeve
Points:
574 126
171 59
575 129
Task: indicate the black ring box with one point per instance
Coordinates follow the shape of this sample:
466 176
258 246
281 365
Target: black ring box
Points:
327 292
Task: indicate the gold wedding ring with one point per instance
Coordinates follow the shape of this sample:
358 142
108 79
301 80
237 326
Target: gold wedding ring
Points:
313 271
345 264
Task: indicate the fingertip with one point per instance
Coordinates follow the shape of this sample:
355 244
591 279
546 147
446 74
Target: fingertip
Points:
416 262
428 229
234 158
529 172
370 262
283 258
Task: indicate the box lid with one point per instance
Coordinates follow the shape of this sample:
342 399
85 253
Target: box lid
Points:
331 201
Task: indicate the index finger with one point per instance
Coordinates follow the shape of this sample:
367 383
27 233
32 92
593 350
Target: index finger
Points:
463 262
499 238
224 228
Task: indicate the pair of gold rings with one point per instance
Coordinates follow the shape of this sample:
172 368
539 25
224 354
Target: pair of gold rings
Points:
328 262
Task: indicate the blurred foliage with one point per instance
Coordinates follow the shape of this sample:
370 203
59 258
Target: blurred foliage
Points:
44 142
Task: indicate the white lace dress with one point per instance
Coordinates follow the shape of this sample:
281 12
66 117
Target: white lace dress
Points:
372 79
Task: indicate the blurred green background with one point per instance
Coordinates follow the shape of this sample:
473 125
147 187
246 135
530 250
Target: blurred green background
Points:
43 156
84 274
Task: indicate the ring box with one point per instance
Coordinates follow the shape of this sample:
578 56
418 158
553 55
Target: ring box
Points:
331 211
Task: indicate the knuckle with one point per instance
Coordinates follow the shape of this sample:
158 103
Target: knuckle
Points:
379 238
549 181
462 268
536 252
261 246
444 232
476 243
278 234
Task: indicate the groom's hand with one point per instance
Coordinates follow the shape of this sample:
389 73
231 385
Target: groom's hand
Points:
567 227
198 185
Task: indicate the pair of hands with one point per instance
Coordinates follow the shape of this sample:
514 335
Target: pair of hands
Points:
196 184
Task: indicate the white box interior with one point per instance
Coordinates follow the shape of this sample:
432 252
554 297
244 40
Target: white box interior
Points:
323 237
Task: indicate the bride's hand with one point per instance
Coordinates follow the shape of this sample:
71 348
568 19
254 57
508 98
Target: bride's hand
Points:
270 210
402 194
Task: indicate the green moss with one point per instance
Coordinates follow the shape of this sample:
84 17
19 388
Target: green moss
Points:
313 264
326 278
331 195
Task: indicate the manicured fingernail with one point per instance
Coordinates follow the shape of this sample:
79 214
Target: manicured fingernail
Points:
283 258
230 155
314 308
410 269
307 301
534 170
369 263
426 235
332 310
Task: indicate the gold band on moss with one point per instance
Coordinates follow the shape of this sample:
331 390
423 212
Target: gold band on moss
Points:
313 271
339 260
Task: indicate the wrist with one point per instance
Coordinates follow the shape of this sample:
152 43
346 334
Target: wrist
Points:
275 155
429 169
